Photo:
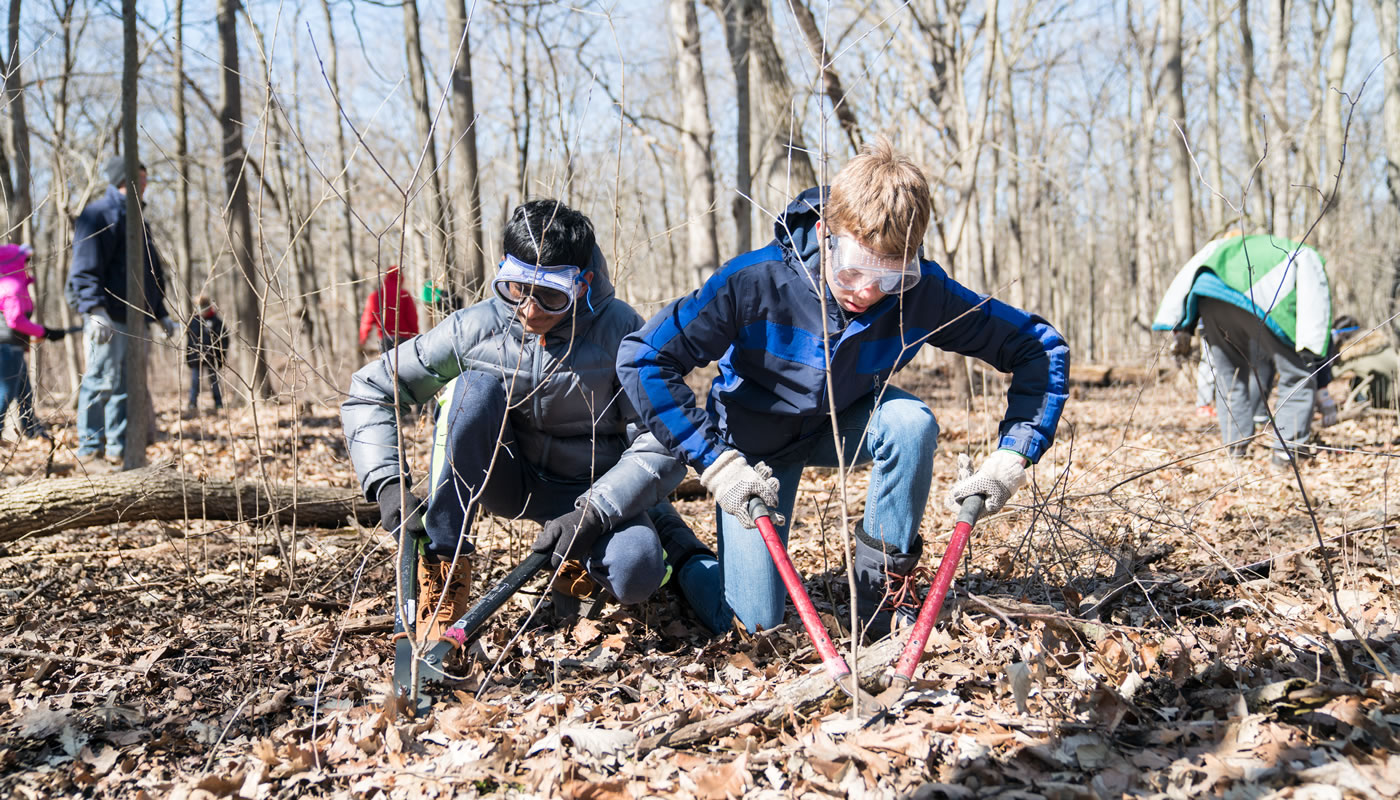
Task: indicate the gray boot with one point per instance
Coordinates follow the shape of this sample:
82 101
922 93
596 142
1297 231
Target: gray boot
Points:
878 598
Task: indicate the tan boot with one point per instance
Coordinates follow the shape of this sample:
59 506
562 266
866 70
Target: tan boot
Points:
574 594
449 580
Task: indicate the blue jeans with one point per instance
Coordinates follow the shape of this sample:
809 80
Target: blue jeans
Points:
13 378
900 440
102 395
626 561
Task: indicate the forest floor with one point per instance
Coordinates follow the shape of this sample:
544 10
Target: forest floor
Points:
1101 640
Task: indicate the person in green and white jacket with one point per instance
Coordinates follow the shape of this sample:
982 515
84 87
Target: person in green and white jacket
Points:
1264 302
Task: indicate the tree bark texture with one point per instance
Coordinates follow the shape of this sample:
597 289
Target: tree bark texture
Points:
341 181
427 174
1183 245
1216 170
1332 111
466 178
702 242
831 80
238 217
736 41
21 204
139 413
185 252
42 508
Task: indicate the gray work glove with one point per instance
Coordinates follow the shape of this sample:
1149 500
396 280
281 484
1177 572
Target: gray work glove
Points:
170 326
102 325
1000 475
732 481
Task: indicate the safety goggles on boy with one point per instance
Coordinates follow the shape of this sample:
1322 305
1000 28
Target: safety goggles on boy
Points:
854 267
552 288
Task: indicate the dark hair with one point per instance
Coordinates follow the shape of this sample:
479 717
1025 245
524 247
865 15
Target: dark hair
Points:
549 233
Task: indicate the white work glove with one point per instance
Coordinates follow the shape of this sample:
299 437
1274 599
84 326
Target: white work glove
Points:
1000 475
732 481
102 325
1327 407
171 327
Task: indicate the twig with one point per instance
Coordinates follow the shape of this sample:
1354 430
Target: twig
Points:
91 662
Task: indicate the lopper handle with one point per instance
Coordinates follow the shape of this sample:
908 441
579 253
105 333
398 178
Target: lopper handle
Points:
816 631
464 628
928 613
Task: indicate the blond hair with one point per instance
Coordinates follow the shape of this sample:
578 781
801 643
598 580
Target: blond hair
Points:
881 197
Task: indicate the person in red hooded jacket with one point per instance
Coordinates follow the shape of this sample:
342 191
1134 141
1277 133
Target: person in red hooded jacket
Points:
390 309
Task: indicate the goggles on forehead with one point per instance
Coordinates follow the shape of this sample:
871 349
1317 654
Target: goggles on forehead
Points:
551 288
854 267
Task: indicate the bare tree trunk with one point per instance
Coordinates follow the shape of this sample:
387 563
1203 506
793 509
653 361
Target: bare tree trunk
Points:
440 256
1015 250
63 229
240 226
782 167
182 159
702 241
139 416
342 179
466 180
1183 243
1342 22
1216 170
1389 17
1258 212
21 202
736 40
831 81
1280 134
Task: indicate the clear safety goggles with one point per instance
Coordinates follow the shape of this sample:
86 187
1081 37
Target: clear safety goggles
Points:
854 268
551 288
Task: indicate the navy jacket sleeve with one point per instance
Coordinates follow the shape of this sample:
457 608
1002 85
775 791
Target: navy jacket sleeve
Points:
91 241
1013 341
653 362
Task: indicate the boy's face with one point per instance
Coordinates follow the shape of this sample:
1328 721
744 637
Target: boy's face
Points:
858 276
532 314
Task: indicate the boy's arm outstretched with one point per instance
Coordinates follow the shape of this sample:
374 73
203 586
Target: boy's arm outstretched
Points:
1013 341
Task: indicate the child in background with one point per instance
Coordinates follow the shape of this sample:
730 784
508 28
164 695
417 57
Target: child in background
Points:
206 342
16 329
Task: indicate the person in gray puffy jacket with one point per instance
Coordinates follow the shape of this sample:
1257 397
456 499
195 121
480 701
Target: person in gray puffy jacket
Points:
533 424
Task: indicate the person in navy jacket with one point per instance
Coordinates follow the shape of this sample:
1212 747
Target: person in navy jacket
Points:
816 322
97 289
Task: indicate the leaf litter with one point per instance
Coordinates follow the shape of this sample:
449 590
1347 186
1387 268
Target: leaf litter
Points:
1103 639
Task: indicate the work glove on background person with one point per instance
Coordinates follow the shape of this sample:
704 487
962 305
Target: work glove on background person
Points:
1327 407
1000 475
1181 344
732 481
169 325
391 510
102 326
54 334
571 535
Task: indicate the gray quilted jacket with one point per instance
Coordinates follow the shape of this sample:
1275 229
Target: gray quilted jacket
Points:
571 420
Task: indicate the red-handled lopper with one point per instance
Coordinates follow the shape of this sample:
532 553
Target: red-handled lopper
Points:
835 665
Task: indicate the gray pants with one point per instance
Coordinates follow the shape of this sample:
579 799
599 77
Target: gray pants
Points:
1244 352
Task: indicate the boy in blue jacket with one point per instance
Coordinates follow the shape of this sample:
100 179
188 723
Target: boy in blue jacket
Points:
819 320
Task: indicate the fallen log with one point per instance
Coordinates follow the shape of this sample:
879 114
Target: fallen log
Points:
46 507
798 695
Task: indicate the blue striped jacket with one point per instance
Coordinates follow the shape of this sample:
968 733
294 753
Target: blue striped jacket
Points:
761 318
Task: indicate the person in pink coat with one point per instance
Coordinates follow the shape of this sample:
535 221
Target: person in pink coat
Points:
16 330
